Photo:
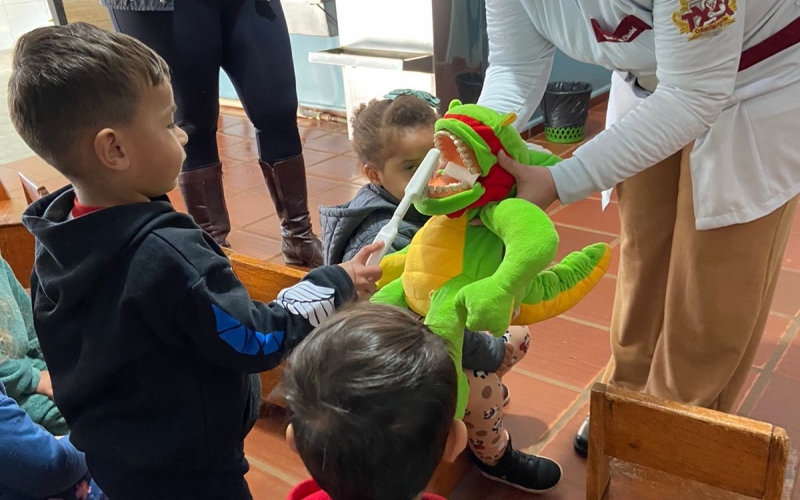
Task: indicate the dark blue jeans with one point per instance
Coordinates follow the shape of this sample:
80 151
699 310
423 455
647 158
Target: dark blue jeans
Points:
246 38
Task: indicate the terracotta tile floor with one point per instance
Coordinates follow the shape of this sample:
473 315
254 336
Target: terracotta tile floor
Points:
549 388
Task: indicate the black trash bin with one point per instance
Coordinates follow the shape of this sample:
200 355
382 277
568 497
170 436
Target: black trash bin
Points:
469 86
566 107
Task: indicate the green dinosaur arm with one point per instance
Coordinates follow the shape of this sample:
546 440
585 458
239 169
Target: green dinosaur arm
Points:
530 240
392 293
539 158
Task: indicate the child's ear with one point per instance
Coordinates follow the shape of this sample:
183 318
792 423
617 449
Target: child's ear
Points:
290 438
372 174
456 441
110 151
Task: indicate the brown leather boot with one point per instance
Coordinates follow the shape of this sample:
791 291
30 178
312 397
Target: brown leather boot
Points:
286 181
205 201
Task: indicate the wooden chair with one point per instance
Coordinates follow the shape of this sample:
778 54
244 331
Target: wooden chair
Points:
31 190
729 453
88 11
4 195
264 281
16 243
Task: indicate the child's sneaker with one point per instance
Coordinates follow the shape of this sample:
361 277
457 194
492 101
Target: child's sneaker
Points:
506 396
522 471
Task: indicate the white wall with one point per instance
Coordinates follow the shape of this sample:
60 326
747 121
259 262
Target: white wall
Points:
20 16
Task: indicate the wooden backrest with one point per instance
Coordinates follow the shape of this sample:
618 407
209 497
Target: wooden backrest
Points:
88 11
17 244
32 191
728 452
4 195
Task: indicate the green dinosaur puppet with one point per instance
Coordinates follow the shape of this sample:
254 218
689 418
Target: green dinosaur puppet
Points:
484 277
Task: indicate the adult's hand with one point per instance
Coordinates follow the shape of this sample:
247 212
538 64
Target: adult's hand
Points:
534 184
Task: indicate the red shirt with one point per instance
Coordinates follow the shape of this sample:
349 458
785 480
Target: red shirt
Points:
309 490
78 209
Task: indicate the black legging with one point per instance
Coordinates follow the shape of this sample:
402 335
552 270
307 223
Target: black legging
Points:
250 41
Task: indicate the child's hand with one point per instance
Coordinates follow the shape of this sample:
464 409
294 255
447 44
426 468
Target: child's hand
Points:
45 386
363 276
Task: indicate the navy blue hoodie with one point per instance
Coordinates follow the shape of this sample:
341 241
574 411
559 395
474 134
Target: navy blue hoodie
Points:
149 338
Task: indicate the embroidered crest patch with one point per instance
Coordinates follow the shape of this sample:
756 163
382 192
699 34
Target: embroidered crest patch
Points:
704 18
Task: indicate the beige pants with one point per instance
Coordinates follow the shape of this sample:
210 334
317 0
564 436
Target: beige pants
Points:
691 305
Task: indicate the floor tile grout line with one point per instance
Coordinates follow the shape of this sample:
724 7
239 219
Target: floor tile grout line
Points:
560 424
596 326
768 371
548 380
585 229
555 210
277 473
246 229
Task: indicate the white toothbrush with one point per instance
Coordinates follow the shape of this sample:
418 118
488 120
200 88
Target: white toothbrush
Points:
415 190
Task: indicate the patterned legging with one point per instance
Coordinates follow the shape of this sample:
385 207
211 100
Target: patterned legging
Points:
484 415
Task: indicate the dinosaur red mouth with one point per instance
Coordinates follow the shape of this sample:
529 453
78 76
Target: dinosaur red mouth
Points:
458 168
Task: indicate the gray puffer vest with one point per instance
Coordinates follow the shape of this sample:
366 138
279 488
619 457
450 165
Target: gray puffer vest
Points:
349 227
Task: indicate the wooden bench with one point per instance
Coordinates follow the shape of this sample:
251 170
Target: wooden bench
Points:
32 191
16 243
669 450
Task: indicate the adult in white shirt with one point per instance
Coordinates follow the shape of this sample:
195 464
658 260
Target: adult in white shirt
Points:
703 146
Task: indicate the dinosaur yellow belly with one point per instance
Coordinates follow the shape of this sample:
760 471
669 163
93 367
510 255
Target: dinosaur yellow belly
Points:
435 256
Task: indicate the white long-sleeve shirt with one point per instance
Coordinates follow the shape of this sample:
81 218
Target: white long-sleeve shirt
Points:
682 60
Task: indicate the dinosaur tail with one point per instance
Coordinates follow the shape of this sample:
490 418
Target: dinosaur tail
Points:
559 288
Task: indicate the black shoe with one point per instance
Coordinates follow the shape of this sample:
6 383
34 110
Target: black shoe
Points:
581 441
522 471
506 396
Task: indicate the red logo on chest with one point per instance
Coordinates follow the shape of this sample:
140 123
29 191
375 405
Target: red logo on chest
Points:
701 13
704 18
628 30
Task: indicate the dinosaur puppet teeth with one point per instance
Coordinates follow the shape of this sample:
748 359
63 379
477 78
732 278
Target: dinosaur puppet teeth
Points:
452 188
460 174
458 170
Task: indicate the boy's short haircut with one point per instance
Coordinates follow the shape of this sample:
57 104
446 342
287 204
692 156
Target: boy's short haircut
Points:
372 395
70 80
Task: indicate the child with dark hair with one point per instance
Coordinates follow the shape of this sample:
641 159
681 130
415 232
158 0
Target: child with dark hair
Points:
391 138
372 394
152 342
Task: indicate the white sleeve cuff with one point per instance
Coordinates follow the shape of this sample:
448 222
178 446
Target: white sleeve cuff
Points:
572 180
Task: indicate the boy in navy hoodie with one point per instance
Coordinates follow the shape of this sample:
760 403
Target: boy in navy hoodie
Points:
150 338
